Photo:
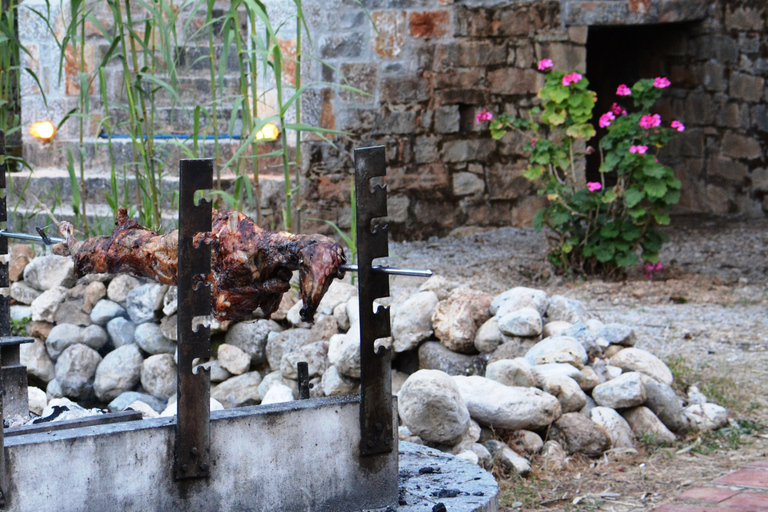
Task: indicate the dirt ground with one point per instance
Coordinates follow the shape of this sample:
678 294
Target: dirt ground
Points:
704 314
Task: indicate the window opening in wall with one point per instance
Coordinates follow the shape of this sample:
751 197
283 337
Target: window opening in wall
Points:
622 55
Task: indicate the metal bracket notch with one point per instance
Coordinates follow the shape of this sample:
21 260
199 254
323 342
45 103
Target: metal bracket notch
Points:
192 458
376 425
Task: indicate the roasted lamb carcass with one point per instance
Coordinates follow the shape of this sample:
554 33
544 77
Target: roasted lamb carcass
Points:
251 267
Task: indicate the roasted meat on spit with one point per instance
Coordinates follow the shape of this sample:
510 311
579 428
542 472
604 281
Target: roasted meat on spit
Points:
251 267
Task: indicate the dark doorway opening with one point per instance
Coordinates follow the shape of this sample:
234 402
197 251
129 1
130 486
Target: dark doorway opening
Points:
623 55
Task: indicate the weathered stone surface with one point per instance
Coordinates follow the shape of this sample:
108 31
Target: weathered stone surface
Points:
457 318
466 183
251 337
489 337
615 426
589 379
617 334
643 421
555 328
510 372
277 394
280 343
23 293
567 392
579 434
518 298
21 255
663 401
638 360
513 348
521 322
39 364
218 374
745 87
121 331
95 336
150 338
71 312
75 370
233 359
552 456
555 345
47 272
334 383
412 321
120 287
344 352
61 337
144 301
430 405
434 356
323 328
105 310
44 307
493 404
53 390
542 372
511 461
440 285
566 310
563 356
584 335
624 391
314 354
706 416
37 400
128 397
171 301
158 375
118 372
338 292
238 391
94 292
273 379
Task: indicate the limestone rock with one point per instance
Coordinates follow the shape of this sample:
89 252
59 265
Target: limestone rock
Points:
510 372
398 379
23 293
128 397
39 330
279 343
150 338
581 333
314 354
567 392
75 370
20 312
273 379
53 390
21 255
555 344
146 411
232 359
217 373
518 298
566 310
553 456
334 383
142 302
344 352
512 348
529 441
44 307
542 372
158 375
71 312
564 356
37 400
172 407
706 416
589 379
61 337
521 322
121 331
118 372
171 301
94 336
338 292
94 292
617 334
638 360
412 323
277 394
579 434
555 328
434 356
39 364
120 287
342 317
251 337
615 426
48 272
587 409
323 328
627 390
238 391
457 318
663 401
489 337
495 405
469 456
105 310
440 285
485 459
643 421
430 405
511 461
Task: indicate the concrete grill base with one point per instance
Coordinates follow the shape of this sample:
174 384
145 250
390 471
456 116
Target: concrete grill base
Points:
296 456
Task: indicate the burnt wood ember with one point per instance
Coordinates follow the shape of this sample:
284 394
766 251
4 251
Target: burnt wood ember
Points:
251 267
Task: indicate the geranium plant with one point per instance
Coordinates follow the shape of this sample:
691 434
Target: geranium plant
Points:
595 227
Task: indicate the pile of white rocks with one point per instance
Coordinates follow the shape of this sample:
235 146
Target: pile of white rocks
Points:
521 362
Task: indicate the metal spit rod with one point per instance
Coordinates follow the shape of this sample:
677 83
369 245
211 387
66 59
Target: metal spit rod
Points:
42 238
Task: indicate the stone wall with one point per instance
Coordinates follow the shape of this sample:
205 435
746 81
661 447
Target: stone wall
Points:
431 65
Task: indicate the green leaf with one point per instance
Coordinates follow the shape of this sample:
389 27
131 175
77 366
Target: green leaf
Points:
538 219
560 217
636 213
661 217
557 118
626 259
674 183
581 131
631 232
604 252
559 94
655 189
533 172
633 196
671 197
610 230
610 196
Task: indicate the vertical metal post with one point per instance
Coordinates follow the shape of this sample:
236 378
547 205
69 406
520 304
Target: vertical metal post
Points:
5 314
376 425
192 458
302 369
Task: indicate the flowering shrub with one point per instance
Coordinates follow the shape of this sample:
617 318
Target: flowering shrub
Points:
597 228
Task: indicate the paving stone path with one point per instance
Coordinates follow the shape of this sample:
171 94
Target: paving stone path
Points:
745 490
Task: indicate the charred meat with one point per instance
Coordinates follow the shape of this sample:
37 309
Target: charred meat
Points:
251 267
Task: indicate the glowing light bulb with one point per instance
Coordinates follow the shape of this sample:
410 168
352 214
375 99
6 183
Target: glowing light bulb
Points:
42 130
270 131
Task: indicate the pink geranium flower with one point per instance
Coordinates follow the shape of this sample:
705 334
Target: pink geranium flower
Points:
623 90
638 149
533 143
545 64
650 121
571 78
605 119
677 125
661 82
483 115
594 186
618 110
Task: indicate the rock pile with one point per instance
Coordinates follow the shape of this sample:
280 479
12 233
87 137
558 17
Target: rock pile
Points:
522 361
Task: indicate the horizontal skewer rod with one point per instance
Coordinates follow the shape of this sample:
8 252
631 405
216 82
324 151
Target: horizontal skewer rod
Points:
31 238
391 270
